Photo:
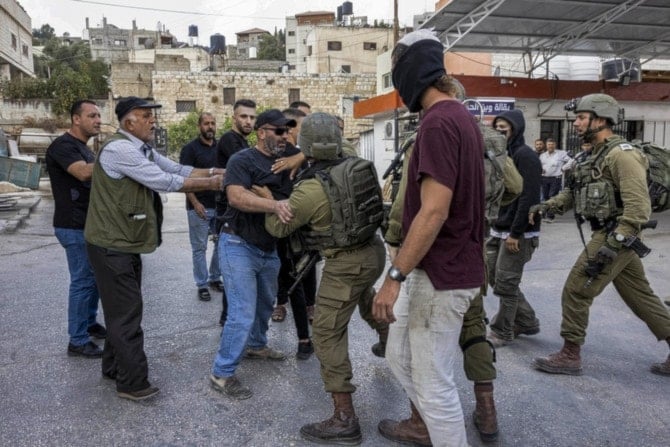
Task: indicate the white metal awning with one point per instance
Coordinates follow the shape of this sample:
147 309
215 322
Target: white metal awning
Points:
542 29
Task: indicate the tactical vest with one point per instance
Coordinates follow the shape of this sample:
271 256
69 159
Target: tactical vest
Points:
595 195
355 200
123 214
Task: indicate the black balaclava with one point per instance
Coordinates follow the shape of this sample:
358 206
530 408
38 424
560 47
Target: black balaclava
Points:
417 63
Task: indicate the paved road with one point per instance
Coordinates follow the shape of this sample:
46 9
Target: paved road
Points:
49 399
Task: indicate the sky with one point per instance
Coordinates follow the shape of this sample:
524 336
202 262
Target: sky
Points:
211 16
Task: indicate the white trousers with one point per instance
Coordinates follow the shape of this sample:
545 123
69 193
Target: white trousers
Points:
421 349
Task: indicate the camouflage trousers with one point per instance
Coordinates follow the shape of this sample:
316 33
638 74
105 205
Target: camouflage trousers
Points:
346 282
627 275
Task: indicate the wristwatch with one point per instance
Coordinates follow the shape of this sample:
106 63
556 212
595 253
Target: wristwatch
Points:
396 275
619 237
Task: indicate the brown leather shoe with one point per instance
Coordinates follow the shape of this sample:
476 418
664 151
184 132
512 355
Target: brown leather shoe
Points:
341 429
662 369
565 361
411 431
485 416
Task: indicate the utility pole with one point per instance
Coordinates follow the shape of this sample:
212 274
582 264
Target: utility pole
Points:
396 30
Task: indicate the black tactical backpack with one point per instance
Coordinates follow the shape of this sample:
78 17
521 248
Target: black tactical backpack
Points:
355 200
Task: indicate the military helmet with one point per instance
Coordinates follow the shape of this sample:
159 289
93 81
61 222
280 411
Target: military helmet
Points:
601 105
320 137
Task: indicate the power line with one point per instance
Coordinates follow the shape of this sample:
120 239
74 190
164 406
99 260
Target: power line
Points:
175 11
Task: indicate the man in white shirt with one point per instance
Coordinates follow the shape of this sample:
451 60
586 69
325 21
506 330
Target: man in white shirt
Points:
552 172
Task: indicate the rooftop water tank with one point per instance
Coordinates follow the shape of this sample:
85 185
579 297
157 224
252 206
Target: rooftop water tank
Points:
217 44
347 8
192 31
584 68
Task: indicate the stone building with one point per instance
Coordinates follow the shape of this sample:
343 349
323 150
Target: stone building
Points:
247 43
112 44
216 92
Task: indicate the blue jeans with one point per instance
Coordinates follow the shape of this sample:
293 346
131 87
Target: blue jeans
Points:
250 279
198 231
83 298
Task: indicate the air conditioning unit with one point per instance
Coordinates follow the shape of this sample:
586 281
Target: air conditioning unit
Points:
404 126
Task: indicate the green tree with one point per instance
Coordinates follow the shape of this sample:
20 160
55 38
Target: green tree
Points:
65 73
66 86
272 47
43 34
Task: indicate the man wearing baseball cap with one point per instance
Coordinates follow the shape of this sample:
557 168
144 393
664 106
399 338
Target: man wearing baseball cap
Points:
124 220
247 252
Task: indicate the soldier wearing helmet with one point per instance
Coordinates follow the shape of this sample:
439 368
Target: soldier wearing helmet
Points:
610 192
348 274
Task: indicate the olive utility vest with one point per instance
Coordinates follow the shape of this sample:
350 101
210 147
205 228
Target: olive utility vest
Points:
123 215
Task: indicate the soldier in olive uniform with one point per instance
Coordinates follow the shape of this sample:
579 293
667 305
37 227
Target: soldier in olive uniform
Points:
347 279
609 191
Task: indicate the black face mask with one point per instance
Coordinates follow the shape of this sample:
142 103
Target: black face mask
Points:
417 68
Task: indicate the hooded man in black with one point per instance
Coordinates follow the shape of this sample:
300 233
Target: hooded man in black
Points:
513 240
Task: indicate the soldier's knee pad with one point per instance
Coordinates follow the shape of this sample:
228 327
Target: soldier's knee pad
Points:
478 358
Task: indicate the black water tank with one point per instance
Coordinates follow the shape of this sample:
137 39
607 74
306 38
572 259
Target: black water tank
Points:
339 13
192 31
347 8
217 44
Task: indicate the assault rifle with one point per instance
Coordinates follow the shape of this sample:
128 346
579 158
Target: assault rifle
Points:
633 242
395 163
605 255
302 267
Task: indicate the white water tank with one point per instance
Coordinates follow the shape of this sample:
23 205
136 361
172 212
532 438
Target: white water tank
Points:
253 52
584 68
559 68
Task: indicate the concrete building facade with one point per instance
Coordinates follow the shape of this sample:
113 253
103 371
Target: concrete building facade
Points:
16 41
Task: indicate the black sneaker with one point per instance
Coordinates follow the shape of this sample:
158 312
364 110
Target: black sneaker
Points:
203 295
146 393
90 350
305 350
98 331
216 285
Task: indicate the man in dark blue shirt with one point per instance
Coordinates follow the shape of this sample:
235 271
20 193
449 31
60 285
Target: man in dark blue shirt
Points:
201 208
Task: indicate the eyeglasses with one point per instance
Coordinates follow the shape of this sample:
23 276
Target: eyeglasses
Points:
279 131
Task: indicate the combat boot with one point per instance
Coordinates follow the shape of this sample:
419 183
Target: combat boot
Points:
485 416
565 361
412 431
341 429
662 369
379 348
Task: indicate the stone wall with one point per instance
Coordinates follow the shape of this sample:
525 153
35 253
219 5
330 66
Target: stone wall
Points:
331 93
131 79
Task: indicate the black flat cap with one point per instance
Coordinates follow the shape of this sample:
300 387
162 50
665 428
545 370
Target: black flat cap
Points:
274 117
129 103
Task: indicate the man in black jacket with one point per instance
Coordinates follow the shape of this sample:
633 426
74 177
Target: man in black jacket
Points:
513 240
